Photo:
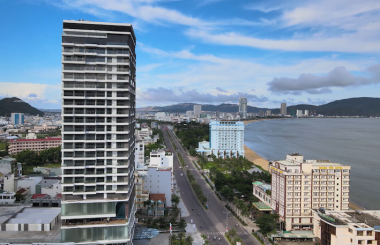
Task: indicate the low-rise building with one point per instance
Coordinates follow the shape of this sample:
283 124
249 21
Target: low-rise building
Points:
346 227
157 207
139 152
18 145
263 192
6 166
142 195
31 136
7 198
20 225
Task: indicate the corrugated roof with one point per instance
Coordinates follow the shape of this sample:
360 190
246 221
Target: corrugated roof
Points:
157 197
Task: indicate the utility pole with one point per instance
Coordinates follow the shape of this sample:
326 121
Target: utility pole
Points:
227 219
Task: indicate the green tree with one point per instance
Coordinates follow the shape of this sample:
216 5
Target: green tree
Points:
232 232
189 240
182 224
175 199
227 193
267 223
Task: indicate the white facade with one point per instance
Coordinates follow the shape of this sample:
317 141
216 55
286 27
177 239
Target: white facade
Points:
7 198
226 139
17 118
31 136
161 158
243 107
300 185
307 113
197 110
144 132
268 113
139 153
98 132
283 110
53 190
299 113
161 116
29 182
160 180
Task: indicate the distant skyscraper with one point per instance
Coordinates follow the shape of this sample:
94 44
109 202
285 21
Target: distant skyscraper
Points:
17 118
283 109
217 114
98 139
307 113
243 107
269 113
197 110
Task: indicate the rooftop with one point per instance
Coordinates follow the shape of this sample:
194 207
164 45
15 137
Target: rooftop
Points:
33 140
261 206
360 219
20 214
157 197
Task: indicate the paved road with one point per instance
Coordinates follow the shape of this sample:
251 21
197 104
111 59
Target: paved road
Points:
212 220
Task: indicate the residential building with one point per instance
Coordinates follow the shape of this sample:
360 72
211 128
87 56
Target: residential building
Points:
160 181
31 136
300 185
18 145
17 118
161 116
346 227
144 132
197 110
139 152
243 107
142 195
161 158
157 207
269 113
6 166
190 113
307 113
7 198
226 139
299 113
98 117
283 110
261 113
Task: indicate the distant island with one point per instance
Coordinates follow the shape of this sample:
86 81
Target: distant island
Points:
363 106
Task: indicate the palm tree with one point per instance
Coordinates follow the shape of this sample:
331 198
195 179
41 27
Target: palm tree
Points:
189 240
181 236
173 238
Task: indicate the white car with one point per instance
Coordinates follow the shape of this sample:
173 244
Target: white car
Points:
181 174
180 167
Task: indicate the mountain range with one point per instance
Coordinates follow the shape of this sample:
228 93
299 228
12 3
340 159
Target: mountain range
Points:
363 106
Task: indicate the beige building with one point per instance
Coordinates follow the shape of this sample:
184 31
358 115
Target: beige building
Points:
346 227
141 194
18 145
300 185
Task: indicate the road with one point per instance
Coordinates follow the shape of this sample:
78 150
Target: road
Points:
212 220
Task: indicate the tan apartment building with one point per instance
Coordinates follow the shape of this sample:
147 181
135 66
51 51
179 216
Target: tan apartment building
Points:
18 145
346 227
300 185
141 194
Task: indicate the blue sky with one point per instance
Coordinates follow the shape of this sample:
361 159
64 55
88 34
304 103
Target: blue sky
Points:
206 51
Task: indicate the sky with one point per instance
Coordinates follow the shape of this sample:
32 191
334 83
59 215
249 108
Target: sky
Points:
206 51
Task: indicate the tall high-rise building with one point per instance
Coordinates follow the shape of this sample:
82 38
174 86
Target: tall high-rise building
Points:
17 118
299 185
98 134
243 107
197 110
283 109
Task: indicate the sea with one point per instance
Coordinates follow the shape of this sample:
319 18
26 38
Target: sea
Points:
349 141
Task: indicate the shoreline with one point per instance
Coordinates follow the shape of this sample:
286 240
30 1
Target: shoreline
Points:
262 162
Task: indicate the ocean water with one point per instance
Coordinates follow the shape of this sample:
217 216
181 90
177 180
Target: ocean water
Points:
354 142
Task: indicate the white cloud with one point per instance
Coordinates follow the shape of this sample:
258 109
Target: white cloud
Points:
147 68
336 44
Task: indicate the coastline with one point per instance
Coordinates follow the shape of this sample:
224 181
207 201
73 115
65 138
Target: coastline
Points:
262 162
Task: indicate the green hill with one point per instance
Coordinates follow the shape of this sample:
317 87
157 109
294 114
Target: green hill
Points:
14 105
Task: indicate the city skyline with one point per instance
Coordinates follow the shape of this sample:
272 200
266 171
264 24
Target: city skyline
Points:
271 51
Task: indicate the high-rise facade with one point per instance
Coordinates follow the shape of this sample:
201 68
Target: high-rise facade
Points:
300 185
197 110
227 138
98 127
283 110
243 107
17 118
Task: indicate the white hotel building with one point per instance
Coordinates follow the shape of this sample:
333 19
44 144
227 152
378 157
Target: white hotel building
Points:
300 185
98 133
226 139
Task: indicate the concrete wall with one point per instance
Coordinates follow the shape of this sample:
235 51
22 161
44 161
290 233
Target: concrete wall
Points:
160 182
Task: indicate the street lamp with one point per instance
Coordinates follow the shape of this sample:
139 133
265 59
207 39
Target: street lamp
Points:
227 219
